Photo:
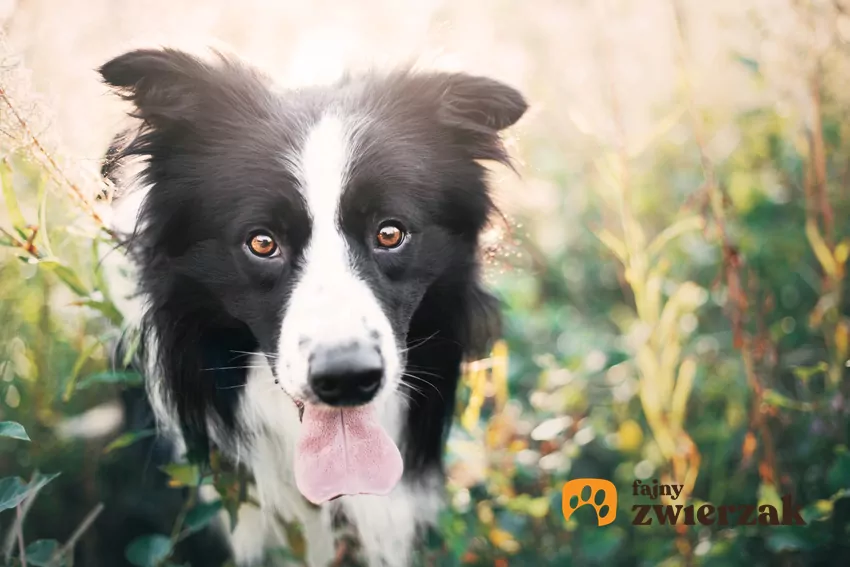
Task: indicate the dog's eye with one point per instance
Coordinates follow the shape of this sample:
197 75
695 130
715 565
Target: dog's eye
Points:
390 235
263 245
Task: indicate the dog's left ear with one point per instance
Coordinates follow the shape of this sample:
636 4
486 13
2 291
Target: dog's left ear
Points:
480 103
476 109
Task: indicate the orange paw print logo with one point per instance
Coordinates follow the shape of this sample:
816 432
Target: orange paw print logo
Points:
599 493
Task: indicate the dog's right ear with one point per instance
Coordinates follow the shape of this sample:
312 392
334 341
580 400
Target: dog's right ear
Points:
168 86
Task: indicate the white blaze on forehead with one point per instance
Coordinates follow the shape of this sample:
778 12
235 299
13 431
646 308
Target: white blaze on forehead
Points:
323 171
323 166
330 304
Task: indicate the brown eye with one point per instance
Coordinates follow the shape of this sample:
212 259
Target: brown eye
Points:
263 245
390 236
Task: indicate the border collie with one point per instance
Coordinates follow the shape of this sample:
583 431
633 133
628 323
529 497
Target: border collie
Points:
308 264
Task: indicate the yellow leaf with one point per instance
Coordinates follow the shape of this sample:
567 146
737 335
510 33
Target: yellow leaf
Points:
635 233
16 218
670 354
499 373
820 248
614 244
500 431
672 232
477 379
471 414
682 391
768 495
842 252
503 540
842 339
661 128
630 436
295 538
648 366
749 446
538 507
485 513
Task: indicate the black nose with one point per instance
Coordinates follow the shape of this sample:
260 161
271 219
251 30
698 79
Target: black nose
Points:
346 376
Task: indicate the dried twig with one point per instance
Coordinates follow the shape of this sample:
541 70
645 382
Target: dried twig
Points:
29 246
19 530
51 165
732 262
69 545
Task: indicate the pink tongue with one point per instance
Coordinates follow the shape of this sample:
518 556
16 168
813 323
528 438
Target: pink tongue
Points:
344 451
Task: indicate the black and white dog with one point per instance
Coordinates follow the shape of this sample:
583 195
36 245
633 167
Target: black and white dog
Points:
308 265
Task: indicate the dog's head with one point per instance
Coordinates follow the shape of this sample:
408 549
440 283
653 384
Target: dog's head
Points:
309 225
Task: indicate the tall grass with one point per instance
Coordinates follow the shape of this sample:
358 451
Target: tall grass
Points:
674 291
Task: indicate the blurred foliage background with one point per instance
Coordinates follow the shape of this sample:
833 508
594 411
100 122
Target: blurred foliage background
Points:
673 273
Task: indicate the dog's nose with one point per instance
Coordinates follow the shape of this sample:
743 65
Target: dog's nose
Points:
346 376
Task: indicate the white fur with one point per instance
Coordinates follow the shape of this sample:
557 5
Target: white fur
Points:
386 525
330 304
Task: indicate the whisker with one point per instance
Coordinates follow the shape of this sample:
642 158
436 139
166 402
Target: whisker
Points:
423 371
407 400
423 380
405 396
242 355
257 352
233 368
411 387
230 387
420 342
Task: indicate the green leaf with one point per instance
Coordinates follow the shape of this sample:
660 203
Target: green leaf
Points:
68 276
39 481
12 492
767 494
42 214
14 430
783 539
128 378
40 553
282 553
774 398
128 439
805 373
182 474
107 308
99 273
133 344
12 207
83 357
198 517
838 475
749 63
672 232
819 510
148 550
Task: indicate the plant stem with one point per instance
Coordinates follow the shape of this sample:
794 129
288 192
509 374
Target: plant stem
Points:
20 531
68 547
